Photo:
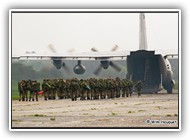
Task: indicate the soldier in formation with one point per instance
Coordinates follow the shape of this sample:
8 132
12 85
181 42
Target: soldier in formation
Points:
46 88
138 86
22 89
34 89
28 86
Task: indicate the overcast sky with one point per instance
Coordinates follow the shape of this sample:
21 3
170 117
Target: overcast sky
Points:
82 31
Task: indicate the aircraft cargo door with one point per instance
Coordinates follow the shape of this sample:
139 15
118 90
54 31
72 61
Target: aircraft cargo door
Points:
144 65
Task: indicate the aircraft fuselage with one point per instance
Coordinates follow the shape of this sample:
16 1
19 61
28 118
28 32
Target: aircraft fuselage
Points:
152 69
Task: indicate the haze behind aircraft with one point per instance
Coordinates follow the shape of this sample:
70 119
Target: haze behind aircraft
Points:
153 69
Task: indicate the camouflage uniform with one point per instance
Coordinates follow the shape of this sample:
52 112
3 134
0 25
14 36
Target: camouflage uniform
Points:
109 88
67 89
92 87
88 90
59 87
106 88
19 91
74 87
102 89
84 88
35 88
28 88
125 88
38 90
130 87
46 88
52 91
64 90
22 88
96 89
138 87
32 90
118 86
112 87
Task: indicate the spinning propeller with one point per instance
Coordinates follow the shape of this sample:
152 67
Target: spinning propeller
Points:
57 62
79 68
106 63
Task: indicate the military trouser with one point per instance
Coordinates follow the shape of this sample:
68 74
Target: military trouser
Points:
125 92
64 94
102 94
46 95
139 93
20 95
60 93
52 95
74 95
108 93
92 94
117 92
88 95
112 93
23 96
130 92
83 94
36 94
96 94
67 94
32 94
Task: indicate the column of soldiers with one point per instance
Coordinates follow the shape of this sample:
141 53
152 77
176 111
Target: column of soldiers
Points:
84 89
26 87
89 89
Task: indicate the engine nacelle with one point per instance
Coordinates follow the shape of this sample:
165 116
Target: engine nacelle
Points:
57 63
105 64
79 68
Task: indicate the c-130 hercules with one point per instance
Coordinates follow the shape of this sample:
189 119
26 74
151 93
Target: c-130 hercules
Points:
154 70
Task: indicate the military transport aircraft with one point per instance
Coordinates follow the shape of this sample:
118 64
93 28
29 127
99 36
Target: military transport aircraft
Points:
153 69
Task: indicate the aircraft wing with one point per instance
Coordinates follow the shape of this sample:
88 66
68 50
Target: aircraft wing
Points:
75 56
86 55
167 53
171 56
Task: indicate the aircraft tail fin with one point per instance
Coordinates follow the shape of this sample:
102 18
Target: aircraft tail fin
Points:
142 32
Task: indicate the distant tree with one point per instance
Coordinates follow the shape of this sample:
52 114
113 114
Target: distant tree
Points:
19 71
